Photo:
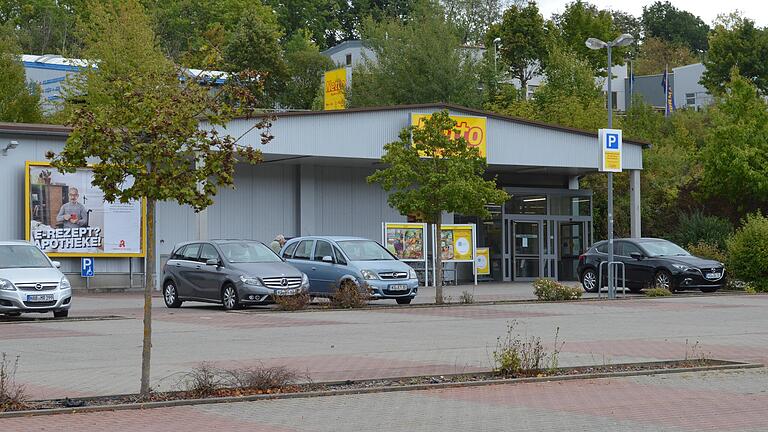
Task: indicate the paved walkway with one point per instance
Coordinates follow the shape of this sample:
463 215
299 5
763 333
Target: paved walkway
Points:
82 358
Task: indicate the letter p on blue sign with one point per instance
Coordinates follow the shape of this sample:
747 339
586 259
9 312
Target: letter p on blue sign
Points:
86 267
612 141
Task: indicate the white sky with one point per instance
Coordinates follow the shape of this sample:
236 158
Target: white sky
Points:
707 10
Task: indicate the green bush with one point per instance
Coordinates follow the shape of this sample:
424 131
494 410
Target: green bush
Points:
706 250
657 292
748 252
552 290
697 227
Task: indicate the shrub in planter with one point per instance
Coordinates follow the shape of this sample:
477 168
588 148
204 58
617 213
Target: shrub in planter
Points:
350 296
697 227
657 292
706 250
748 252
552 290
292 303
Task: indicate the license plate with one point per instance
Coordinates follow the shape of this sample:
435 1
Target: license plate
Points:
40 298
713 275
285 292
398 287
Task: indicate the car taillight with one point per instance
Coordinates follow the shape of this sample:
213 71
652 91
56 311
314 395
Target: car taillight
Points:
581 258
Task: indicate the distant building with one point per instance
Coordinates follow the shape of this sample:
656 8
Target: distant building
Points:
684 80
349 53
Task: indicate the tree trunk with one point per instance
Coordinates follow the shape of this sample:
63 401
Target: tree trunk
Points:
523 85
438 264
149 285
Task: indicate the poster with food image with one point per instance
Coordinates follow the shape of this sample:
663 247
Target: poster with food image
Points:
406 240
66 215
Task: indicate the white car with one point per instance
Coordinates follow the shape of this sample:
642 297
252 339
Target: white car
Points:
31 282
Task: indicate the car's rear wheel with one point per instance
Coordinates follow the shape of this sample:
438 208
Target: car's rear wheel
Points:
171 295
404 301
61 313
663 279
589 281
229 298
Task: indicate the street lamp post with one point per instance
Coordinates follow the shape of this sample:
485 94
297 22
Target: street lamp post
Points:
597 44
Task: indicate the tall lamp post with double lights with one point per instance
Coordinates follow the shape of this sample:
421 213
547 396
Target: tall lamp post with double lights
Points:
597 44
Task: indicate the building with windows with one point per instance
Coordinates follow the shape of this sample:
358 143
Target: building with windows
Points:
313 182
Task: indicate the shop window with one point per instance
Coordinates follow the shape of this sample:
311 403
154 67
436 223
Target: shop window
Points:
690 98
527 204
570 205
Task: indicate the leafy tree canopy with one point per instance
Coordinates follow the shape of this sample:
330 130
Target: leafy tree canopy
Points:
42 26
419 61
19 102
663 20
581 21
655 54
306 67
473 18
737 45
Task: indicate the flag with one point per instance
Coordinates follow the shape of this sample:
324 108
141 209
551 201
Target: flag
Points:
669 94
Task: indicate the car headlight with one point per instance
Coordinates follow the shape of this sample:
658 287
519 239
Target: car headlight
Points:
64 284
6 285
304 280
250 280
367 274
412 274
681 267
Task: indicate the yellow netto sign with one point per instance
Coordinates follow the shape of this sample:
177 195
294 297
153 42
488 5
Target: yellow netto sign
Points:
472 129
335 89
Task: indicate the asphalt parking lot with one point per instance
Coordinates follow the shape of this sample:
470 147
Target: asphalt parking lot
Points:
76 358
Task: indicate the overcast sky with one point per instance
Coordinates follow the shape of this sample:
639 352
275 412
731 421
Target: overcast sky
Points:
707 10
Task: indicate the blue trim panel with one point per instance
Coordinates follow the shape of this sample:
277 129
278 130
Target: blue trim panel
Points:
50 66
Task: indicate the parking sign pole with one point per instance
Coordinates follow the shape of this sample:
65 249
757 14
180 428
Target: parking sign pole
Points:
611 288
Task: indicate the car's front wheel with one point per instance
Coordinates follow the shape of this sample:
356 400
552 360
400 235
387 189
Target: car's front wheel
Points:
61 313
171 295
229 298
589 281
663 279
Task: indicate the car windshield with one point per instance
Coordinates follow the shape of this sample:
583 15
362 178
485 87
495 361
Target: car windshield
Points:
22 256
248 252
365 250
663 248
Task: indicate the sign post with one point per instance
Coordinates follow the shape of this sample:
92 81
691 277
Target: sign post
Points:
610 162
87 270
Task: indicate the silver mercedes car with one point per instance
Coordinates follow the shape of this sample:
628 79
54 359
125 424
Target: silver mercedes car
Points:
235 273
31 282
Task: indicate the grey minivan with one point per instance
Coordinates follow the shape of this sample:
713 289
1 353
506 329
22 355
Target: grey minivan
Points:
235 273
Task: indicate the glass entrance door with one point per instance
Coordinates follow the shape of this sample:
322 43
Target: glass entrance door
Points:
571 243
527 250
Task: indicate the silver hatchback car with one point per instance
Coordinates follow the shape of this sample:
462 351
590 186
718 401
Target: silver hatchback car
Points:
31 282
235 273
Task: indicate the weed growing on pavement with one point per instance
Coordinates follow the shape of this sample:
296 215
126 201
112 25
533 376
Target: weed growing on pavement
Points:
517 355
260 377
466 297
202 381
657 292
206 380
292 303
349 296
12 394
552 290
694 354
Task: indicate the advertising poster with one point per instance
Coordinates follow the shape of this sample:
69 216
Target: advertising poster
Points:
67 216
472 129
456 243
406 241
335 89
483 261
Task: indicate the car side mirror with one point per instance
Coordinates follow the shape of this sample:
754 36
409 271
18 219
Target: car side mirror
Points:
636 255
212 262
328 259
56 264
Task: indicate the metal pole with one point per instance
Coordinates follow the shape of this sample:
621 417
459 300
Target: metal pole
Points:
611 287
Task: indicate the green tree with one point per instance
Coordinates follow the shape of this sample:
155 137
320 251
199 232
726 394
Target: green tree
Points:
429 173
144 128
737 45
523 42
473 18
416 62
656 54
19 102
678 27
629 24
255 44
306 66
735 155
358 11
42 26
323 18
581 21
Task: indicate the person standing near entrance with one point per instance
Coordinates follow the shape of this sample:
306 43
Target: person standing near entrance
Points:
277 243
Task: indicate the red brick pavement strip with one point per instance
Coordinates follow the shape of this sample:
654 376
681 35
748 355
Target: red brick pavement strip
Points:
38 331
185 419
235 320
469 312
624 400
666 350
347 367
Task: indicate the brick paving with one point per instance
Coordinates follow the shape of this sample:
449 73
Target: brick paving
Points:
79 358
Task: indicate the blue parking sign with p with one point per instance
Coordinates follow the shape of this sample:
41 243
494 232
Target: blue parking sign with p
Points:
612 141
86 267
